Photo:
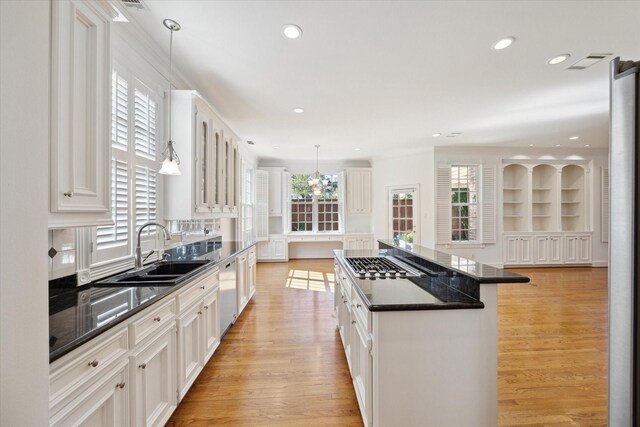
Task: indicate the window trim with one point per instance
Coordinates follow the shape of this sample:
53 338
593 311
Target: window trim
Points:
315 209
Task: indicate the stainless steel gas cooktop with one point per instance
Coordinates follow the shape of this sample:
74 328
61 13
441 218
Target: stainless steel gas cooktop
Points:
381 267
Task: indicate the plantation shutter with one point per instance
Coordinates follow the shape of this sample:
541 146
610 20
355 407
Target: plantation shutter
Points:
145 123
443 205
119 112
262 205
341 193
145 198
286 202
488 204
118 233
604 205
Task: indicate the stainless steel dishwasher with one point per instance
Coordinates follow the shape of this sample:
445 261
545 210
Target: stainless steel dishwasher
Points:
228 296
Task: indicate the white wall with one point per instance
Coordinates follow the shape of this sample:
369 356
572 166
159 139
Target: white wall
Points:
391 172
24 195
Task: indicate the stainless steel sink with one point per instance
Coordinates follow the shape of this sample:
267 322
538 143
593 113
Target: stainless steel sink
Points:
164 273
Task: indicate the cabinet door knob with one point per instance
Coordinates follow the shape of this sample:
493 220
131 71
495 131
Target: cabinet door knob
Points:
93 363
156 319
353 322
68 194
120 385
358 306
199 312
142 365
202 287
206 307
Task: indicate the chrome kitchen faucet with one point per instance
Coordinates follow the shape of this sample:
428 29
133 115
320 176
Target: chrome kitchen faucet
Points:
167 236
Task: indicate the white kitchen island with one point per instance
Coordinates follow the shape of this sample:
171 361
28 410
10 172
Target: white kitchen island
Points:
420 351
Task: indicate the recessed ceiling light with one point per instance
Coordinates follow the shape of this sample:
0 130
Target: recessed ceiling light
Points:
558 59
504 43
298 110
530 145
251 142
573 138
291 31
557 145
356 149
436 134
587 145
275 148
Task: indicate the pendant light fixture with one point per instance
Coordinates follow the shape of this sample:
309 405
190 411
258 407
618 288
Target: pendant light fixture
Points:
171 162
316 184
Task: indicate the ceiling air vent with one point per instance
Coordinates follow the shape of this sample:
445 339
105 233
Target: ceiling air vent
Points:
133 3
588 61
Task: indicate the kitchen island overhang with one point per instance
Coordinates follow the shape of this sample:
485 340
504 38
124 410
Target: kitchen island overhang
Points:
421 350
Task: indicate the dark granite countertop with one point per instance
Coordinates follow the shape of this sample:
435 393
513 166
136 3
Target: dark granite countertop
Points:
415 293
78 314
481 272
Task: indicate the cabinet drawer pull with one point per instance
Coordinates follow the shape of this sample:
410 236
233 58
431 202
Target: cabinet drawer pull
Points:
353 322
358 306
68 194
156 319
93 363
206 307
142 365
120 385
202 287
199 312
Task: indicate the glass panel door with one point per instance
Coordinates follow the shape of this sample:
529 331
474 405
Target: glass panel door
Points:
403 214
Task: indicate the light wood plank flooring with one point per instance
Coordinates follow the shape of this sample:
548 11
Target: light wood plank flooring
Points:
282 363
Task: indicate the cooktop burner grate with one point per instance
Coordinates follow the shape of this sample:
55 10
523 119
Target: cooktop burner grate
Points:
381 267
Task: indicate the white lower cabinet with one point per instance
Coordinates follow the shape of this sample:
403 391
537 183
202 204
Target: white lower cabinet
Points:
242 281
135 373
251 277
153 377
105 402
358 242
577 248
518 250
548 249
190 348
275 249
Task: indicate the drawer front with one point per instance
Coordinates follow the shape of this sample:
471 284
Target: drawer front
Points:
152 321
362 313
197 291
83 364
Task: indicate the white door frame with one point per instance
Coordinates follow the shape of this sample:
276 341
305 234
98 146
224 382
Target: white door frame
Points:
412 188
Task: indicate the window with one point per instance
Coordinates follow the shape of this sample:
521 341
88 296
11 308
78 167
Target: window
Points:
464 203
311 213
134 181
403 214
247 202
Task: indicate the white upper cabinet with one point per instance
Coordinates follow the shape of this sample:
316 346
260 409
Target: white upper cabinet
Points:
359 191
262 205
80 192
276 190
199 141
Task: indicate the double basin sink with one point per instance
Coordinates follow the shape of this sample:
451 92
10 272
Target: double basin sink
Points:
163 273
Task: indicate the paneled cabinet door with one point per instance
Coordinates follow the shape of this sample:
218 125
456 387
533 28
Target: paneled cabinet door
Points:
80 114
153 370
279 248
361 370
511 250
252 274
205 157
584 249
555 250
242 285
211 315
104 403
571 249
525 250
359 191
190 348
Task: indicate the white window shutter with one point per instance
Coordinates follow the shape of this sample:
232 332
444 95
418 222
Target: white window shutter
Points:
118 233
145 198
119 112
488 201
262 205
443 205
145 123
341 195
286 202
604 205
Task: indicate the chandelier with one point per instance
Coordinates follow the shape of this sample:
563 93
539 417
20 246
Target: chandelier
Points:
317 184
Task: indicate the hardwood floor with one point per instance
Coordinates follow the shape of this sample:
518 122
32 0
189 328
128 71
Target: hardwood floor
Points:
282 363
552 348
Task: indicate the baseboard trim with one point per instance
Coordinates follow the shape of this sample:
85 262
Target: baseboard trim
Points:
600 264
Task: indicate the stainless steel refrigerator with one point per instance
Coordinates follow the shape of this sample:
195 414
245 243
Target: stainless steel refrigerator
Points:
624 265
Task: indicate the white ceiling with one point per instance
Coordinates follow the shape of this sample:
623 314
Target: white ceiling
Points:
384 76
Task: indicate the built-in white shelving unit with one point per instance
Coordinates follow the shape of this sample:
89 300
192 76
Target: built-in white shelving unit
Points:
572 200
515 197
